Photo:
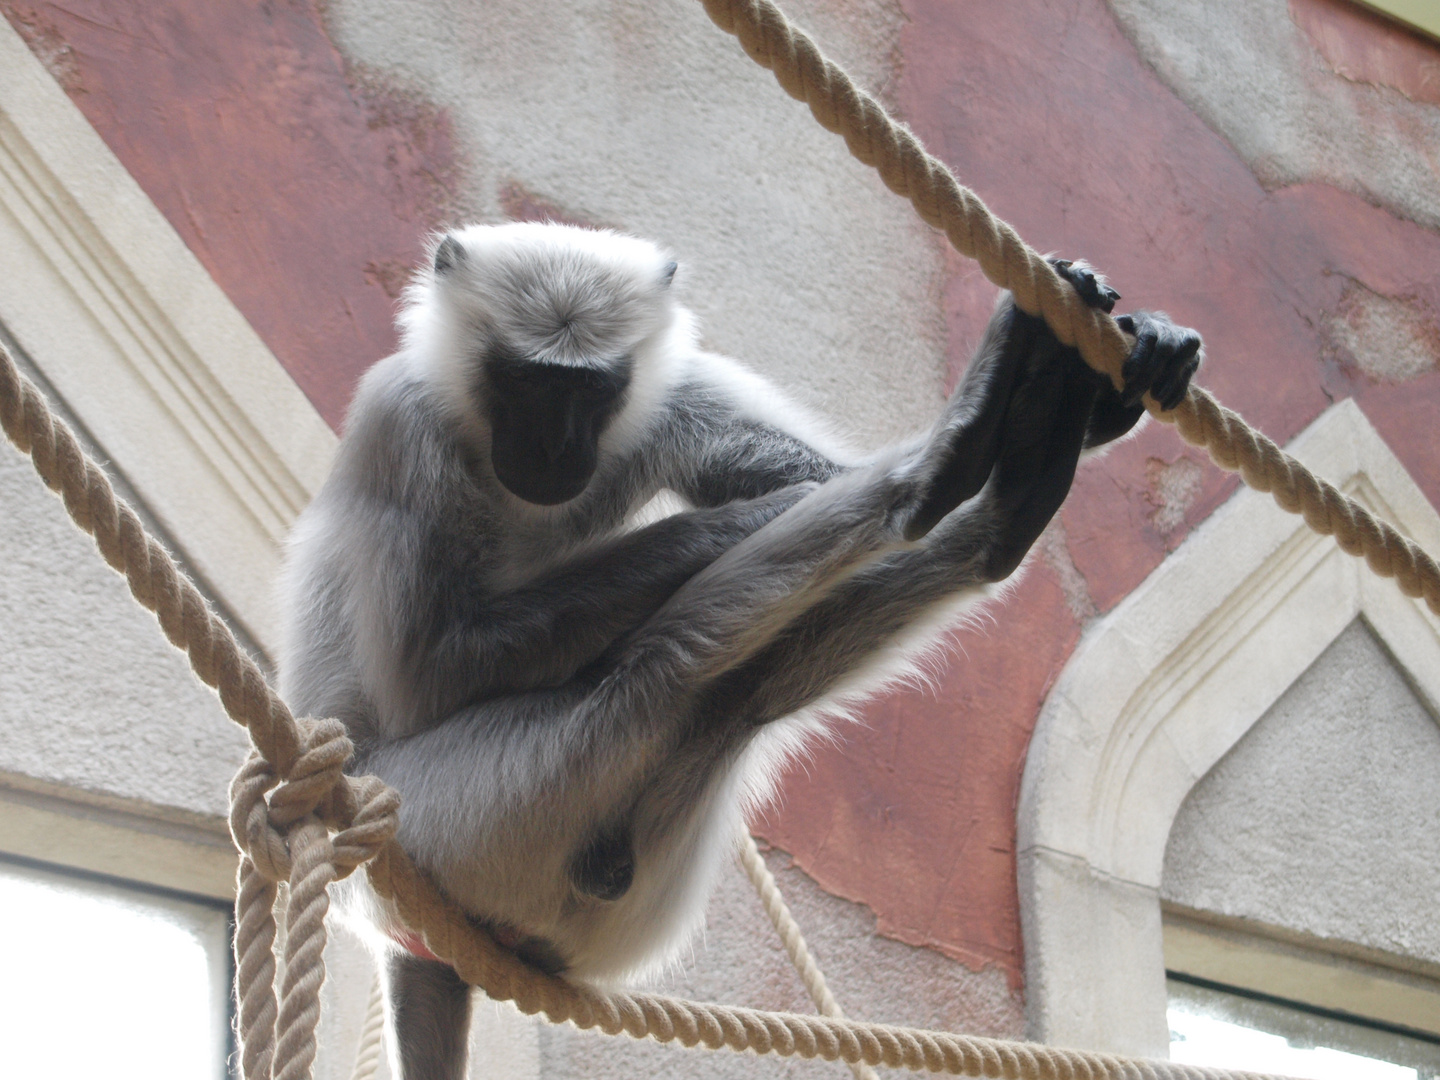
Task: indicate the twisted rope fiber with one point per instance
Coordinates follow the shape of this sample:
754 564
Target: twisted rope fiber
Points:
372 1035
287 798
894 151
290 796
794 941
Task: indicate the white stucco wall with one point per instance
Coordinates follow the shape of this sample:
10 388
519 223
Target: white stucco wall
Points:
1325 817
1251 74
648 118
92 696
740 961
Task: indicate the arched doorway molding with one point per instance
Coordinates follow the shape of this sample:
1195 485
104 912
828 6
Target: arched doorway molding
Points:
1157 692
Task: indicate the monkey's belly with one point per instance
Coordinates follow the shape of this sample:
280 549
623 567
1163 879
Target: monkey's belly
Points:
513 872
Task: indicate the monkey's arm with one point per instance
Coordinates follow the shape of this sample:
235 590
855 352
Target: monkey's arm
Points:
726 434
545 631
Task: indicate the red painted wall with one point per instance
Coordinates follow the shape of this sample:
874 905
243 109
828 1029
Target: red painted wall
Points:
1047 112
303 186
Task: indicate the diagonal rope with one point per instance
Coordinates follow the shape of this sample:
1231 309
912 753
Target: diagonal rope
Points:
794 941
894 151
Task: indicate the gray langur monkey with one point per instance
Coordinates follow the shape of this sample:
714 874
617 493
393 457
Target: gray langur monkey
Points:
577 714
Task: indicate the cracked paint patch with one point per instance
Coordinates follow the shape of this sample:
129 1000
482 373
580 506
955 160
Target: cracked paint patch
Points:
1055 550
48 45
1173 488
1365 47
421 153
1389 339
521 204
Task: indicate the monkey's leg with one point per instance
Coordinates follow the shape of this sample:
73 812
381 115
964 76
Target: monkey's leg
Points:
920 589
540 634
1055 407
733 607
1021 385
428 1013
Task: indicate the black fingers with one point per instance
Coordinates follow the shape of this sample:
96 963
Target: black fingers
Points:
1164 359
1171 389
1089 284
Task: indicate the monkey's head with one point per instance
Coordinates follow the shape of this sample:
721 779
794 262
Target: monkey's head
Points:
547 342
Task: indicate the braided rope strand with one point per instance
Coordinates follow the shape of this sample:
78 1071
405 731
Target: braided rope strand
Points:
255 970
370 1046
893 150
794 941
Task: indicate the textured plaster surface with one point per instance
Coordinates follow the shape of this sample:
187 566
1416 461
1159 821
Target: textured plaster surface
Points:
646 118
741 961
304 185
92 696
1325 817
1268 86
1051 114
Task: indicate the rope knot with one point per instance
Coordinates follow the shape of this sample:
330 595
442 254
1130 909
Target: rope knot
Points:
372 811
317 771
250 825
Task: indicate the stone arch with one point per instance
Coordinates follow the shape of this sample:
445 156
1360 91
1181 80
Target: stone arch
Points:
1157 692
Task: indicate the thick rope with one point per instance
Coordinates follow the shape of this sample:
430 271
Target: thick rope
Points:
287 797
794 941
893 150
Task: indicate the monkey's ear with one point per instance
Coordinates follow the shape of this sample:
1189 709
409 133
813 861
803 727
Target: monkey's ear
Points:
448 255
667 275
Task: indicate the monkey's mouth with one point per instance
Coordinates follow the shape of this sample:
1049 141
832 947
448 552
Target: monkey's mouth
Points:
531 474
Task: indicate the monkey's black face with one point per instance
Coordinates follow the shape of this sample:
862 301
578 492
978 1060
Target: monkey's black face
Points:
546 421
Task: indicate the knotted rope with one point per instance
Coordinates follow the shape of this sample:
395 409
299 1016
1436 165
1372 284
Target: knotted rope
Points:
297 817
893 150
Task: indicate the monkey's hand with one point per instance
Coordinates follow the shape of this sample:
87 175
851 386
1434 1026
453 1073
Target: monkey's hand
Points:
963 449
1163 361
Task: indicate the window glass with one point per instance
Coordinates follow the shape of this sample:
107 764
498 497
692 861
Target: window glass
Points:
100 979
1212 1026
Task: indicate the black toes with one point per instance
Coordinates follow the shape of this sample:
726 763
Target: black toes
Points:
1087 283
1140 366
